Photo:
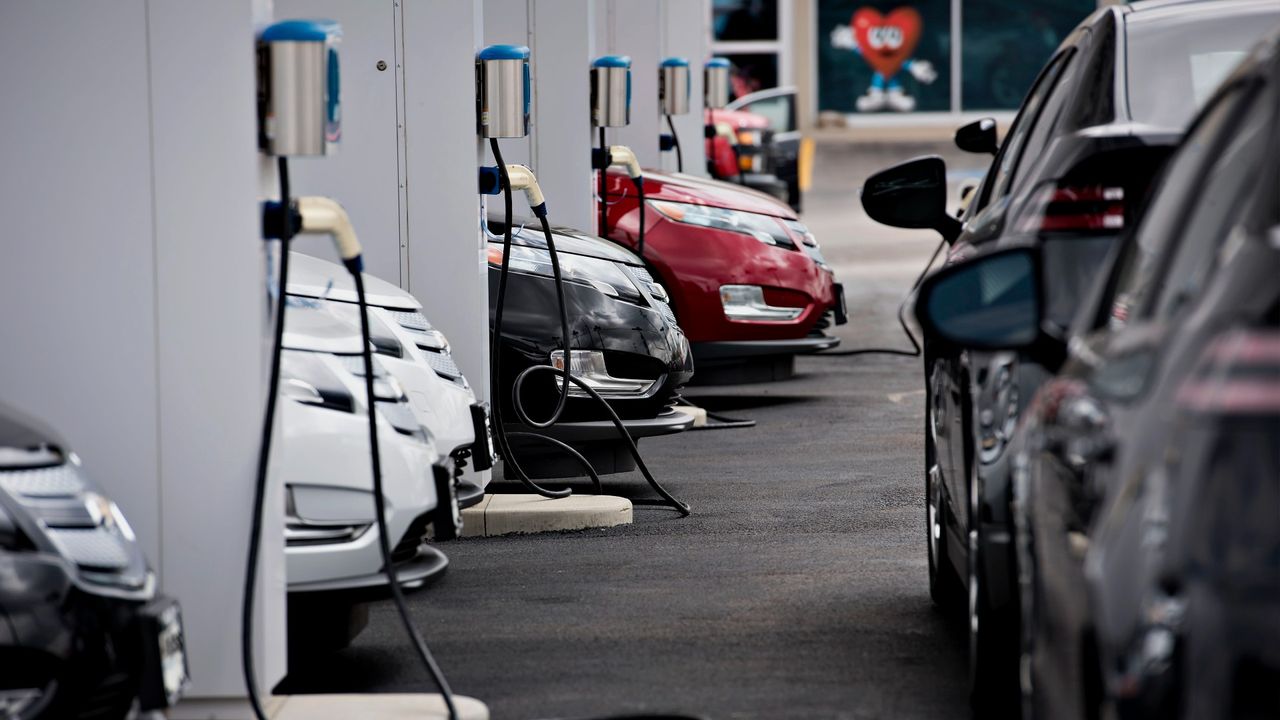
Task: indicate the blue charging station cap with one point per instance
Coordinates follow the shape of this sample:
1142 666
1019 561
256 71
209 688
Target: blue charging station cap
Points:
504 52
302 31
611 61
675 62
716 62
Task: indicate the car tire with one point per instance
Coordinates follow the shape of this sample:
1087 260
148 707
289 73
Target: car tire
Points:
945 588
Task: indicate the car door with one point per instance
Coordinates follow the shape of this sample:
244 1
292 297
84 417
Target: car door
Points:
785 152
954 379
1097 412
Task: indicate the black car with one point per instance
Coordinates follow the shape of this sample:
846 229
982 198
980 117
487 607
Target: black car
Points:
82 631
1095 128
626 346
1147 481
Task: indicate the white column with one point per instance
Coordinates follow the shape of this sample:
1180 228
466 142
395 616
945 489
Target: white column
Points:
563 47
634 28
448 270
685 33
134 282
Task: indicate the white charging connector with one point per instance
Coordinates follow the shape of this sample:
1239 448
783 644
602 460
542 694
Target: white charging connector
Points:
324 216
622 155
522 178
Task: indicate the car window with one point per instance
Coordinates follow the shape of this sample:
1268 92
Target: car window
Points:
1043 129
1022 128
1221 204
779 109
1178 56
1178 189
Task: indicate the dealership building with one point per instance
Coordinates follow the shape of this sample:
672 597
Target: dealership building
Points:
869 62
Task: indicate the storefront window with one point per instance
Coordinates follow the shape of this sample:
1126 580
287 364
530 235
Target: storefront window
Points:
752 72
1006 42
736 20
884 57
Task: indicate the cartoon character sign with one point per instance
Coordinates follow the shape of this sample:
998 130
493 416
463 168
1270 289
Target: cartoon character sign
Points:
885 42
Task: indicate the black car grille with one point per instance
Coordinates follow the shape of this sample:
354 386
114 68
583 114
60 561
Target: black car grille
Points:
407 548
112 698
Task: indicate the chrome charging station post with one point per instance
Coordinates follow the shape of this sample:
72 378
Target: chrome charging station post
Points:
610 107
715 94
673 99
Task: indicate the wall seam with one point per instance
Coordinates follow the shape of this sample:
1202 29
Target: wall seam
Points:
155 292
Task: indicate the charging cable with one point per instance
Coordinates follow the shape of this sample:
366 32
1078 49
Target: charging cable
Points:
902 320
519 177
622 155
285 232
283 221
675 144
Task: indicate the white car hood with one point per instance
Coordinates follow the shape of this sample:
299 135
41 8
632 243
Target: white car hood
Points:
311 326
313 277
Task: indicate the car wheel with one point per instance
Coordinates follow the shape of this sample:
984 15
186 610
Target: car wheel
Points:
944 585
993 656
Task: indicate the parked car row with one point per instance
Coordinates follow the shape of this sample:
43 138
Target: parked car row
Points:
1102 373
730 279
755 141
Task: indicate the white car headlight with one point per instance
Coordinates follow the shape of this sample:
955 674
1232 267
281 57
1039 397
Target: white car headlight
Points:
603 275
589 366
765 228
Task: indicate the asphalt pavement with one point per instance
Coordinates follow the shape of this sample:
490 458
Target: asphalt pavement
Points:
796 589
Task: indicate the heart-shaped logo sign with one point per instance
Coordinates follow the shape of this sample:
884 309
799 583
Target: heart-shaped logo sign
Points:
886 41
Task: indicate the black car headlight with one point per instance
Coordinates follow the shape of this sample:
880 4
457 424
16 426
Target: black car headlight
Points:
305 377
603 275
765 228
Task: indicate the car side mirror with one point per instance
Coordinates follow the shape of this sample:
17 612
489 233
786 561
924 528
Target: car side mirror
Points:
979 137
911 195
991 302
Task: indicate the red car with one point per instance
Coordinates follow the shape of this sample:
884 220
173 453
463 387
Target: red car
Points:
746 278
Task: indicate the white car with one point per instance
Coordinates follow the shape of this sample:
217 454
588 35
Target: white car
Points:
334 564
418 356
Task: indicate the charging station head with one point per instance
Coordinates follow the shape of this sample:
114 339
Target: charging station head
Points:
673 86
502 91
611 91
300 112
715 87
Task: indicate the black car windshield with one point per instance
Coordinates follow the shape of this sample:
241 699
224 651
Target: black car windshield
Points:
1177 56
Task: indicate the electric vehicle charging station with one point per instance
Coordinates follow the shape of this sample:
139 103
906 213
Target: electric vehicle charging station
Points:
673 99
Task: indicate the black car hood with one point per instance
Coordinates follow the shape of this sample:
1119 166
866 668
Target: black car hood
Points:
568 240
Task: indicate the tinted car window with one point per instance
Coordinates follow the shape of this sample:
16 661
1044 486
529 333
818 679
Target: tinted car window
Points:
1178 189
1221 204
1025 123
1177 56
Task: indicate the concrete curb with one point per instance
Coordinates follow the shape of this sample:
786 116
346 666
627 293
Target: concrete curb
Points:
380 705
518 514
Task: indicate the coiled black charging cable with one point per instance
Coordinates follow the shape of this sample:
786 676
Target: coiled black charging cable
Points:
566 375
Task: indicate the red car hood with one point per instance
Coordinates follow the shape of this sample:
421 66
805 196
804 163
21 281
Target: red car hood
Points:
713 193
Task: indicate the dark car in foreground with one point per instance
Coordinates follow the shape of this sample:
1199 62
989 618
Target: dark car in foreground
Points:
83 632
1070 178
626 345
1146 500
